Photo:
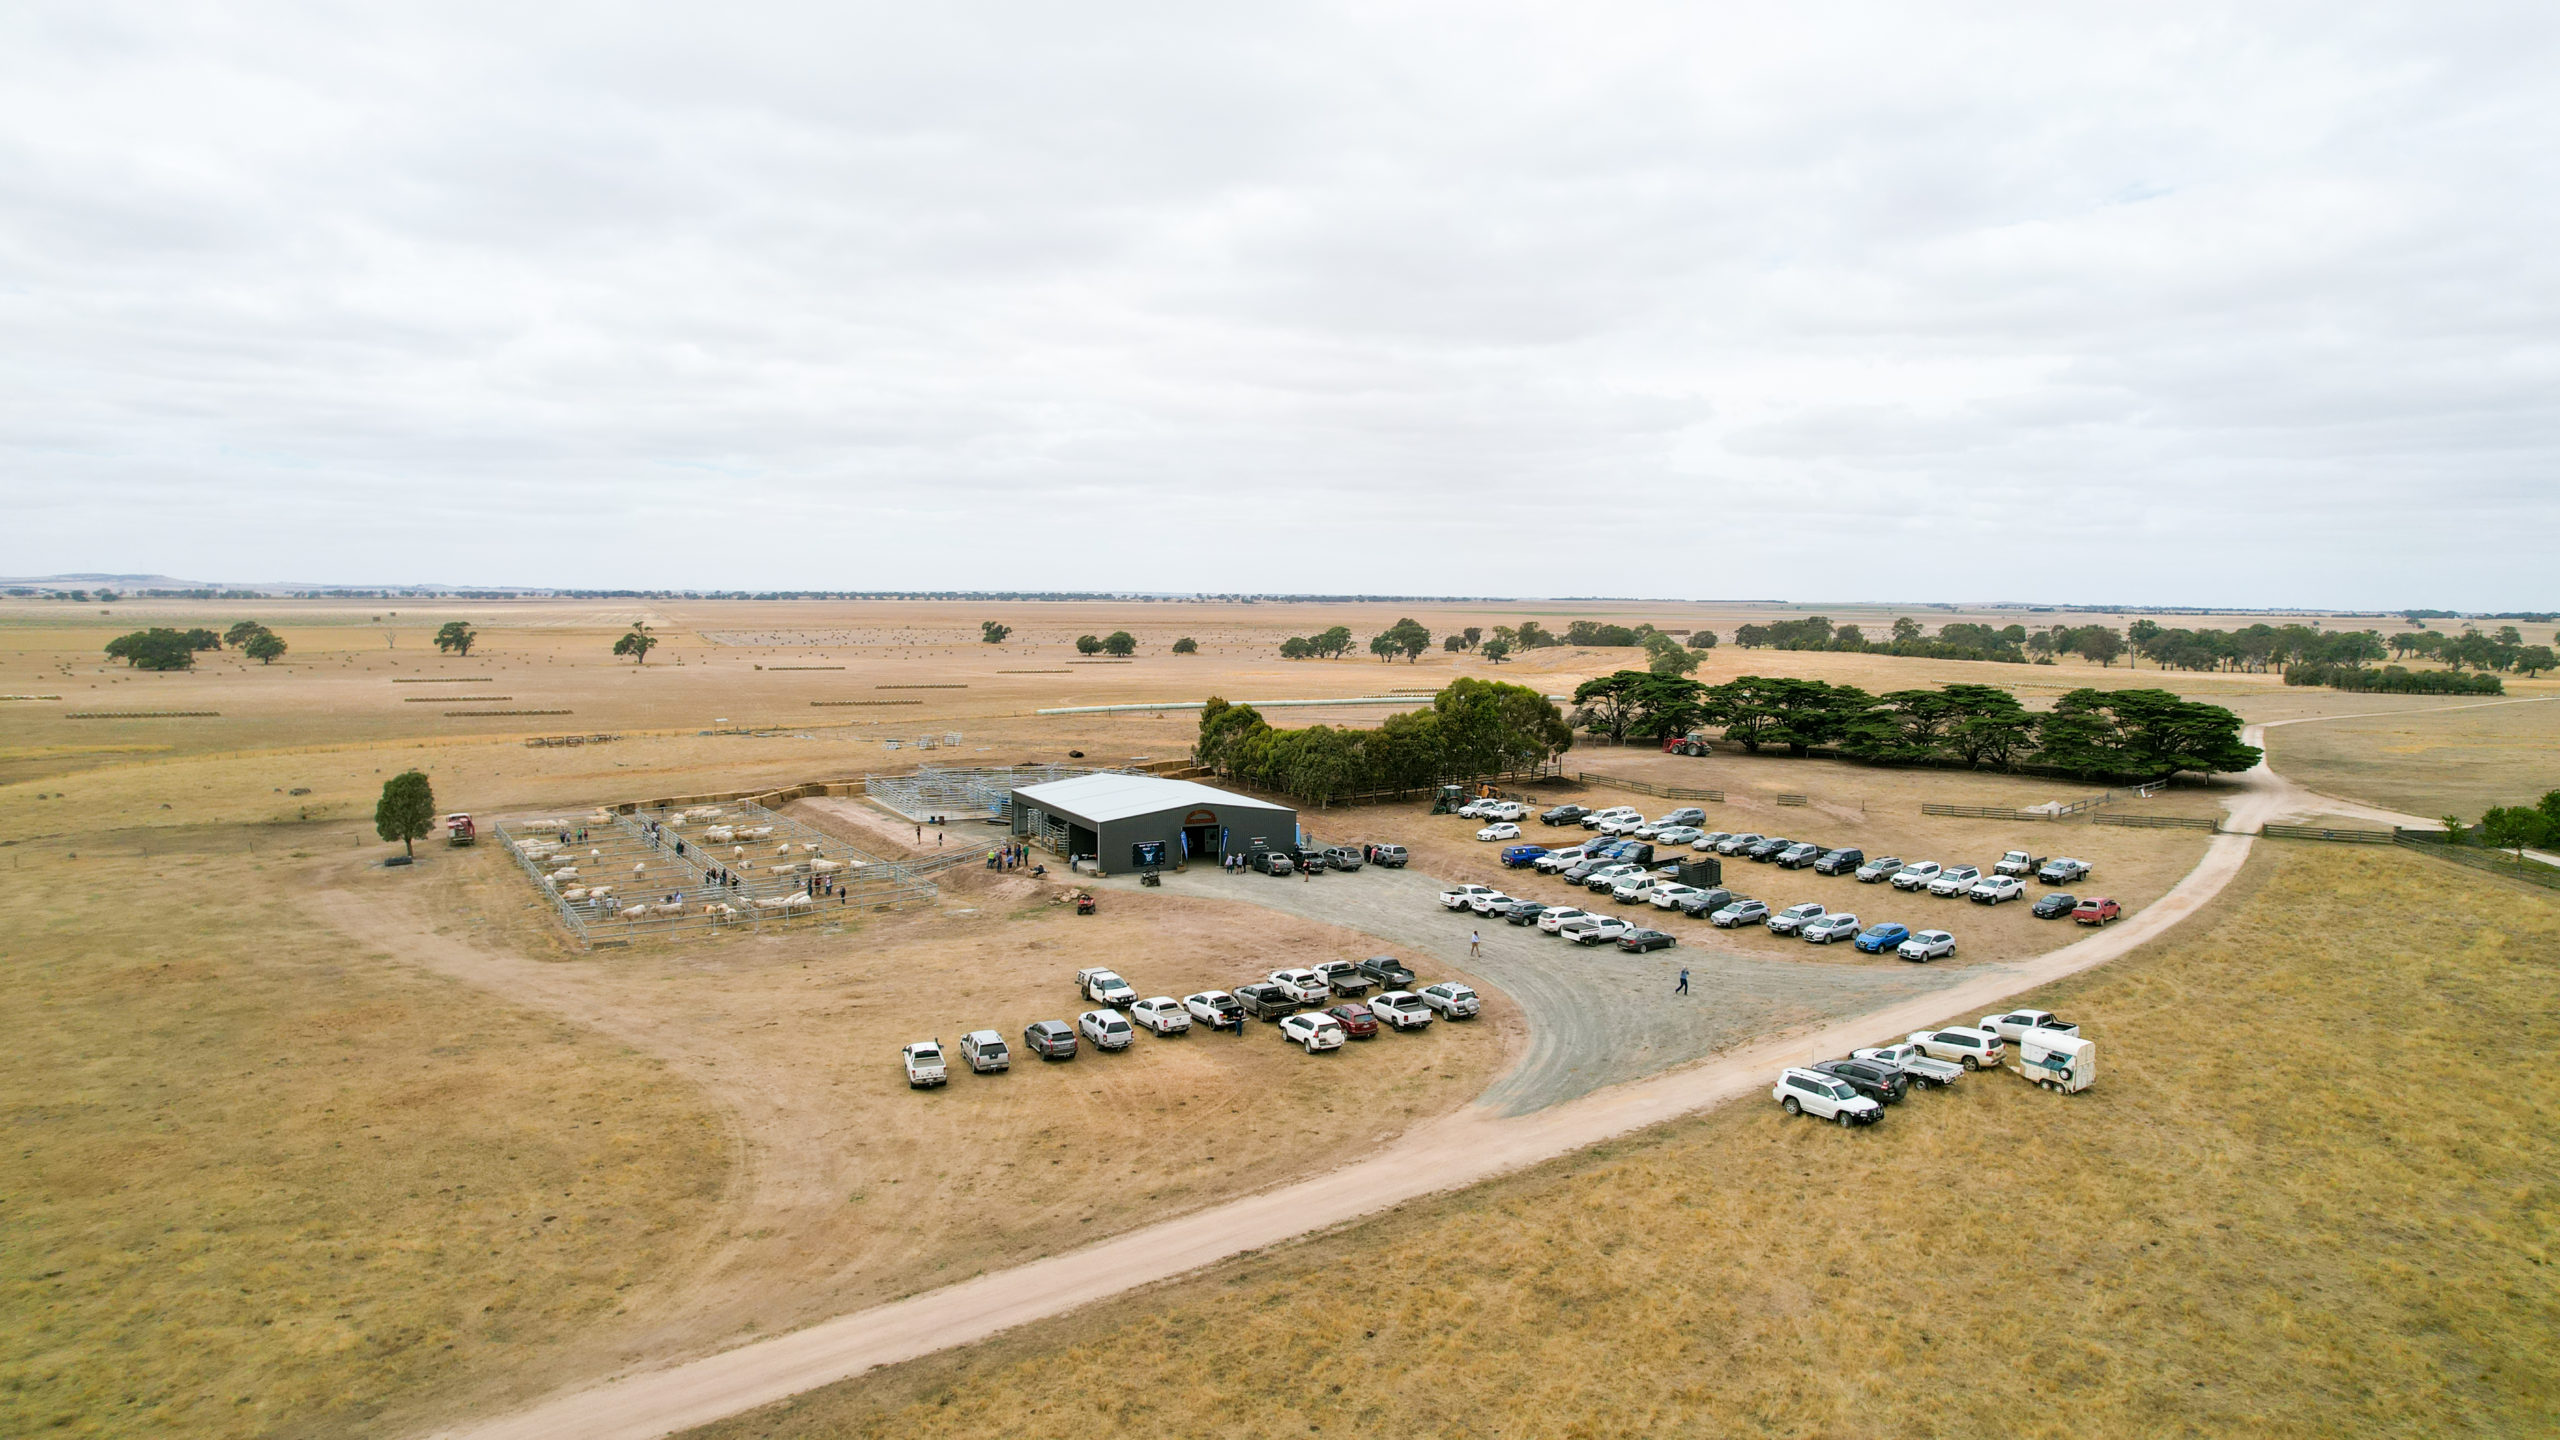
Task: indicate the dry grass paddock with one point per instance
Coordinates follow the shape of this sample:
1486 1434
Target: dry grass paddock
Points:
294 1125
2425 758
2313 1196
262 1183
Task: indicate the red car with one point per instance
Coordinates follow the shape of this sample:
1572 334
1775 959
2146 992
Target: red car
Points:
1356 1020
2094 911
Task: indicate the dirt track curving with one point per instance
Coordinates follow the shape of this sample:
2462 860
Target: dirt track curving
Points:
1459 1150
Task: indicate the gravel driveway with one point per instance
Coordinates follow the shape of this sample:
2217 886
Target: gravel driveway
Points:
1597 1015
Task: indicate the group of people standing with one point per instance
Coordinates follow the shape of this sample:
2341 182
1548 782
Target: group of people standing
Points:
1008 856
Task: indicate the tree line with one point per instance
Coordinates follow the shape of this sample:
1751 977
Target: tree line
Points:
1409 638
1473 728
162 648
2093 734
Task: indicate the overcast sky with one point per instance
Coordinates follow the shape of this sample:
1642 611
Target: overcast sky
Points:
2157 303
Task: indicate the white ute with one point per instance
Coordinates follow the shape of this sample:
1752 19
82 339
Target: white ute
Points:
1163 1014
1104 987
1923 1069
924 1064
2018 1025
1401 1010
1304 986
1457 898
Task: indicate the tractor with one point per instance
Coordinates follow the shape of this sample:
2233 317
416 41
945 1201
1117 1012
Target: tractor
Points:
1449 799
1692 743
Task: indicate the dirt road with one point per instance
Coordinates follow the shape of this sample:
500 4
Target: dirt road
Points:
1473 1145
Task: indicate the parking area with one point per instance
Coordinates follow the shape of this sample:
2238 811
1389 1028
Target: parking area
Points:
2131 866
1596 1016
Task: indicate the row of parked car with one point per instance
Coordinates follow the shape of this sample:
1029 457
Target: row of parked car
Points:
1856 1090
1293 999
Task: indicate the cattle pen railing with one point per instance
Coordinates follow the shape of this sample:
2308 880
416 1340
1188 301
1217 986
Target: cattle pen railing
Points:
658 869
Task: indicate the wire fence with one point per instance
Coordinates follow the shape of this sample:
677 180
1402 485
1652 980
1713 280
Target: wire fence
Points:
2496 862
2315 832
621 874
1648 787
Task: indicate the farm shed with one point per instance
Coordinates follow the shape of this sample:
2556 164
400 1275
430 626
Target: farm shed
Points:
1134 822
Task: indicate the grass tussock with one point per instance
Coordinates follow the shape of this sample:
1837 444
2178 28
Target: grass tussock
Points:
258 1185
2316 1195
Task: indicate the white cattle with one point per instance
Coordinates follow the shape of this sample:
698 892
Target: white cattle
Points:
719 835
666 908
573 896
825 867
641 868
633 912
760 832
783 902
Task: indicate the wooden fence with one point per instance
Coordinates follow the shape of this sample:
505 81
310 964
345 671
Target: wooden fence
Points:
2496 862
2159 822
1980 812
1647 787
1793 799
2314 832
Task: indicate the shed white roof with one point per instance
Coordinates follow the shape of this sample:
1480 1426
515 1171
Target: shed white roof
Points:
1118 797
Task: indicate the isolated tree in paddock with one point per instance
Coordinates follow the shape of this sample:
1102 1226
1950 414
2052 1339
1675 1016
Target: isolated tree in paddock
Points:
2532 660
1120 642
238 635
1406 637
1383 646
1088 644
201 639
1332 643
264 647
1453 642
1296 647
1186 646
1905 630
2097 642
2455 831
1474 635
157 648
1534 636
456 637
1666 656
1702 639
407 809
993 633
637 644
1496 650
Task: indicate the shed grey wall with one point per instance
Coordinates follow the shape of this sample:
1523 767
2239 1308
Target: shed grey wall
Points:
1242 820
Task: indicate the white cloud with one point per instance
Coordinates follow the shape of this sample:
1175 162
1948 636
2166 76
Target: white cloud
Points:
2180 303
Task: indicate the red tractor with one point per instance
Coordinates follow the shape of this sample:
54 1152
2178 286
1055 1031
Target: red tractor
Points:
1692 743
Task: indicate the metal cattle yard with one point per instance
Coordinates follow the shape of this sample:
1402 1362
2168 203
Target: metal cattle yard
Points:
978 794
656 864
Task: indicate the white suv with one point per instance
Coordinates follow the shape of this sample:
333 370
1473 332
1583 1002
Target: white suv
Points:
1555 860
1915 874
1795 918
1315 1032
1810 1092
1973 1049
1107 1029
1956 880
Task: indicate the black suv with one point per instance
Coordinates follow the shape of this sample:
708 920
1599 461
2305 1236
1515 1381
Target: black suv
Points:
1839 862
1766 850
2053 906
1883 1086
1564 815
1311 861
1387 971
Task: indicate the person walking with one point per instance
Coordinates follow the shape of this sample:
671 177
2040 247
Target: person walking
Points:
1683 988
1475 945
